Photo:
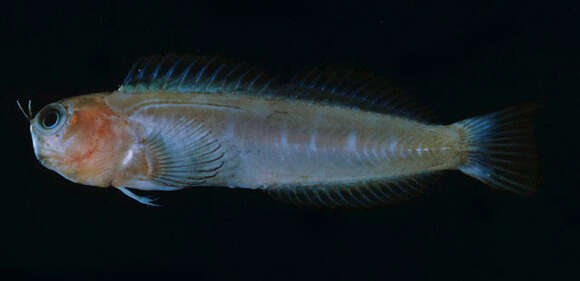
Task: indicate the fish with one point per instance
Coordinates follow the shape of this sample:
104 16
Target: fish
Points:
328 137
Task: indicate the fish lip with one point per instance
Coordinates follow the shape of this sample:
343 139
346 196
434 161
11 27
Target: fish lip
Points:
43 159
35 145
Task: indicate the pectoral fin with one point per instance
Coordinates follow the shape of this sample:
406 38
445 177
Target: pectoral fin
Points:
183 153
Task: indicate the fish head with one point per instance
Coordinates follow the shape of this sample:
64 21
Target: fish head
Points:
77 138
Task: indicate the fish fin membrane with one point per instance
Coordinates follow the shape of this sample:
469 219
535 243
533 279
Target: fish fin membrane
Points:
356 88
359 195
184 153
501 151
186 74
333 85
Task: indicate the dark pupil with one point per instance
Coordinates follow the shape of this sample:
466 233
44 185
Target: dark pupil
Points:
50 119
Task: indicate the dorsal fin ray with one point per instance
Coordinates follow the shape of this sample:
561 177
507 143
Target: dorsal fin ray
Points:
172 73
357 88
201 74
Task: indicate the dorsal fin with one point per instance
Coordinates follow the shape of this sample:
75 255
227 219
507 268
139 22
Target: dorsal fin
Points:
357 88
180 74
348 87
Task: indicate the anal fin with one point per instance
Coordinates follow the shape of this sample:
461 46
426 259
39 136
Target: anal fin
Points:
355 195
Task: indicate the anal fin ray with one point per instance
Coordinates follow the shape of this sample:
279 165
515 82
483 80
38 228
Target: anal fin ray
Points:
353 195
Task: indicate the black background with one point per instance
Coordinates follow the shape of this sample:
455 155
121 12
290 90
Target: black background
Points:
458 59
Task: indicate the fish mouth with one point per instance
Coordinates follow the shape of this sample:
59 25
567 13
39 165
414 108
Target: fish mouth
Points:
42 158
44 161
52 165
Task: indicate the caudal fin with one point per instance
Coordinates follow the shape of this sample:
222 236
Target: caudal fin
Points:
501 150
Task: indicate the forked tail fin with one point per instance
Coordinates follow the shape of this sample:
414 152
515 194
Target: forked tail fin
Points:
501 150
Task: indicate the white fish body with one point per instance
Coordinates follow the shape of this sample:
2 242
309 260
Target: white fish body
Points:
221 129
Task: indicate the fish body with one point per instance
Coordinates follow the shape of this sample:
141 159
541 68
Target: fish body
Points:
153 133
270 142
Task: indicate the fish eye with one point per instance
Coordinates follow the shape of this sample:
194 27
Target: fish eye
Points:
51 117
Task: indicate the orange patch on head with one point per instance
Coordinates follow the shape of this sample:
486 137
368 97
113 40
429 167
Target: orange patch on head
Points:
88 147
73 120
90 128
